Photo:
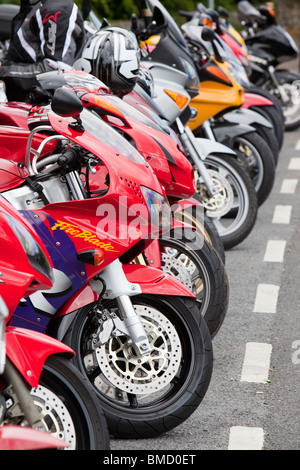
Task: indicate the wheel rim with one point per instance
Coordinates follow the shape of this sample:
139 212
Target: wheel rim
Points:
190 272
148 374
241 204
253 159
55 416
169 386
119 375
291 111
220 204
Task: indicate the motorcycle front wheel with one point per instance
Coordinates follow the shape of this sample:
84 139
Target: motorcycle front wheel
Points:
291 109
254 151
204 227
148 395
198 267
69 407
234 209
273 112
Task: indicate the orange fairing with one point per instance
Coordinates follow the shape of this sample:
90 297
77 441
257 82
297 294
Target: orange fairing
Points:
219 93
217 72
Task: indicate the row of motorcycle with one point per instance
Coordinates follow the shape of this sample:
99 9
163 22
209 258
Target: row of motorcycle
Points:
124 180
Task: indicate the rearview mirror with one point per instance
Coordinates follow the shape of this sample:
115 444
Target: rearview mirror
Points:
66 103
209 35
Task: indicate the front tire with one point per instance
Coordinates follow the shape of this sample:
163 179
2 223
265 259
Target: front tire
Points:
146 396
196 264
291 110
69 406
235 225
254 151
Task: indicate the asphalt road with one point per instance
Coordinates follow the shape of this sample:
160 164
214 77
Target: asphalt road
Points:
242 411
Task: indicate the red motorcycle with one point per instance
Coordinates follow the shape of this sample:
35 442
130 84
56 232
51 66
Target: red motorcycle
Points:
97 205
196 265
44 402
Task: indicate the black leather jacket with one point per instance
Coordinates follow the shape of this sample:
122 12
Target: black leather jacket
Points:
50 30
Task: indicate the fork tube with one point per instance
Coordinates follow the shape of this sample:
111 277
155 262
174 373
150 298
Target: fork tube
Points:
75 185
13 377
133 324
190 144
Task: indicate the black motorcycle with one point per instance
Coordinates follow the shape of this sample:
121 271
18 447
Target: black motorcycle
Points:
269 45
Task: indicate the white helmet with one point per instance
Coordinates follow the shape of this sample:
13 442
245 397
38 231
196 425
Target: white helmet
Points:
113 56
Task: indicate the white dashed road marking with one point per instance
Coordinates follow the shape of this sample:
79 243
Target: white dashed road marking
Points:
266 298
282 214
246 438
289 186
256 364
294 164
275 251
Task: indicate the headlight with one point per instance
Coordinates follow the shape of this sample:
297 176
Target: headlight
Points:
191 71
160 214
246 63
3 315
239 75
34 252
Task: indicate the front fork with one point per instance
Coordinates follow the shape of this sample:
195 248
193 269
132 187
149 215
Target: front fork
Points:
129 323
189 143
23 404
283 95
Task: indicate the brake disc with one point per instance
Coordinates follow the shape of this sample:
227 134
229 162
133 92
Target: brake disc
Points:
55 416
178 268
128 372
221 203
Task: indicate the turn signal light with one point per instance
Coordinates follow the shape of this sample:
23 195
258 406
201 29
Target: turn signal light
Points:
94 257
218 73
207 22
179 99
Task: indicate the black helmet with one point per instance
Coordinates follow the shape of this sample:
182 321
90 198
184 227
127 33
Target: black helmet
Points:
113 56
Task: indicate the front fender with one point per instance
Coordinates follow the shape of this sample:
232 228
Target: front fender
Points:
254 99
248 117
284 75
209 147
28 351
226 132
150 280
16 437
154 281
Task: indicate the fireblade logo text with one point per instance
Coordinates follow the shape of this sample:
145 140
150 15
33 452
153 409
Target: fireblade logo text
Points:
75 232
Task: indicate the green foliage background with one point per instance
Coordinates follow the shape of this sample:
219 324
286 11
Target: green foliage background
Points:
122 9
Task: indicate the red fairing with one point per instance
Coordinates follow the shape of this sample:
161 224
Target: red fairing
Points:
83 297
252 99
150 279
19 276
162 151
28 350
24 438
14 114
154 281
